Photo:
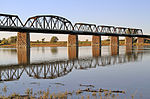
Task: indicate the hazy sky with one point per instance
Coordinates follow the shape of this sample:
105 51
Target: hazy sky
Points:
127 13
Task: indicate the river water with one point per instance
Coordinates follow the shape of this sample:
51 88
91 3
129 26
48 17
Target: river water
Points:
61 69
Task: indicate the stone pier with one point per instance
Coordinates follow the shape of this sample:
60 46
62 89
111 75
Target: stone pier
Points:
96 51
140 41
23 48
72 45
72 53
129 44
96 41
114 43
23 40
72 40
23 55
96 46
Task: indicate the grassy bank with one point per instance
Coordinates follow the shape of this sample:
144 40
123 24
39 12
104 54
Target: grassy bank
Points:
63 44
87 93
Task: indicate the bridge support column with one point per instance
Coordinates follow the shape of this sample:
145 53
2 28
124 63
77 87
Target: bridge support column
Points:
23 40
129 44
72 53
72 45
23 48
96 46
114 43
140 41
72 40
96 41
96 51
23 55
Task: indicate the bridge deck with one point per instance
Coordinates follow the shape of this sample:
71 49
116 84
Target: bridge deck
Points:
51 31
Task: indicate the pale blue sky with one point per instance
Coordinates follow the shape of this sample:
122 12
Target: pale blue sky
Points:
127 13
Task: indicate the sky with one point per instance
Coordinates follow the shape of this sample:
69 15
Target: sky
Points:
126 13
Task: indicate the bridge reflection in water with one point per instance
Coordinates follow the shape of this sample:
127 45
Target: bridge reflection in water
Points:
52 70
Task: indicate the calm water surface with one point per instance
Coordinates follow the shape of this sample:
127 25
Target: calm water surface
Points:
59 69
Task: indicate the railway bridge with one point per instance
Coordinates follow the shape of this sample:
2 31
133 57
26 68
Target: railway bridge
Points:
51 24
59 25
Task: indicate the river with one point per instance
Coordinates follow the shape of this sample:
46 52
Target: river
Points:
59 70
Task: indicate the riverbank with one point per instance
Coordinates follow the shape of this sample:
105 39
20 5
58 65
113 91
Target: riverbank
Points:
88 93
63 44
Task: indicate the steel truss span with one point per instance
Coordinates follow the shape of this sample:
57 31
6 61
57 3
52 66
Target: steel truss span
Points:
59 25
49 22
10 20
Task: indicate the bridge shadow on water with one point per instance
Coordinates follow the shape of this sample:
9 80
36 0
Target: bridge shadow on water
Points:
54 69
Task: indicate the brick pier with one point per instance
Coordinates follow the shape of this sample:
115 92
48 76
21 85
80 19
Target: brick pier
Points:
23 40
114 43
72 40
96 41
23 48
128 43
140 41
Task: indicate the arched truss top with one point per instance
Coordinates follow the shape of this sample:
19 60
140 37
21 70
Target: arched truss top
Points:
10 20
49 22
106 29
85 27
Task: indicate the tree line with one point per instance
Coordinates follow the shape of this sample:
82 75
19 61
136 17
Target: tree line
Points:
54 39
13 40
10 40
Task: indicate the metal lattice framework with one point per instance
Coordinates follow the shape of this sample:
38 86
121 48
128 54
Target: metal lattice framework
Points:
85 27
118 30
135 31
57 24
106 29
49 22
123 30
10 74
10 20
49 71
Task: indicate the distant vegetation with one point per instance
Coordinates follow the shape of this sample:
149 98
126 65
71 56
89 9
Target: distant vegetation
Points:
54 39
54 42
10 40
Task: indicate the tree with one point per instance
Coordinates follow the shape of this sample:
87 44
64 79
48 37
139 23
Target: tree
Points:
54 50
3 39
4 42
43 39
38 41
54 39
12 39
